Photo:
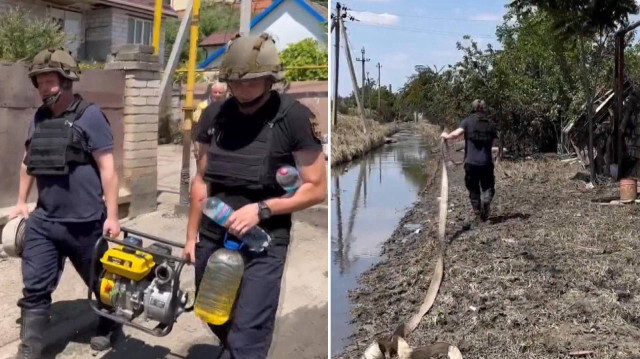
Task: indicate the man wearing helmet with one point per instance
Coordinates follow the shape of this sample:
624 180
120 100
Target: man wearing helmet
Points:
69 154
479 132
243 142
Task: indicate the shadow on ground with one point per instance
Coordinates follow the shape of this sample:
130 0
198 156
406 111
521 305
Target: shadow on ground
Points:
302 334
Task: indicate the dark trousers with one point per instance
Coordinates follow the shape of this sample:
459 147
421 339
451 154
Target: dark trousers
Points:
46 246
248 333
480 182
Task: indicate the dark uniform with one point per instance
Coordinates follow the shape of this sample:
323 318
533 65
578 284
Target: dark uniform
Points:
479 133
244 153
70 212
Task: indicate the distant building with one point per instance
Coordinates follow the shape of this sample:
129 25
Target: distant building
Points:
97 28
288 21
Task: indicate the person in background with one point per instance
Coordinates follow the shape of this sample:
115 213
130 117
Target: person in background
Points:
216 92
479 134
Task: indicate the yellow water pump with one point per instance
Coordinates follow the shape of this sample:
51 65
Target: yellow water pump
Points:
140 282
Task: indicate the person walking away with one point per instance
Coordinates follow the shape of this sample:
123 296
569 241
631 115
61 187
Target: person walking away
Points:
479 133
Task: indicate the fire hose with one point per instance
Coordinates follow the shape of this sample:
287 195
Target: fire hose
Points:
396 343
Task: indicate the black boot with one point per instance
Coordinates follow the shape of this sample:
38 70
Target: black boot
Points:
486 198
34 323
472 220
484 214
477 209
107 334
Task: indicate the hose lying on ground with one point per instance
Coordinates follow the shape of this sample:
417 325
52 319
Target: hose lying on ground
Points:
386 347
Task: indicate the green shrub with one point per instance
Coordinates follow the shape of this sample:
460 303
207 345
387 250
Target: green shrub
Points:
305 53
23 35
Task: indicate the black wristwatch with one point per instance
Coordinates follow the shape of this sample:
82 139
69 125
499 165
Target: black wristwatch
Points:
263 211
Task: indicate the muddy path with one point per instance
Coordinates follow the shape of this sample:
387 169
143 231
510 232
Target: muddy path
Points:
550 272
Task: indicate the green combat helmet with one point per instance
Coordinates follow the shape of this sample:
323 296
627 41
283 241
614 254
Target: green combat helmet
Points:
251 57
50 60
478 106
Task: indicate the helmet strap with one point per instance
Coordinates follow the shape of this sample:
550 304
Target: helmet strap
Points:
51 100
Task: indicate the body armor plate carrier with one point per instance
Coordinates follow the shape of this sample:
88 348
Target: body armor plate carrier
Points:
55 145
482 130
251 167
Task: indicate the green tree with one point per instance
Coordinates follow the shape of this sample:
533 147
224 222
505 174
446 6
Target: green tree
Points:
585 26
22 35
214 17
307 52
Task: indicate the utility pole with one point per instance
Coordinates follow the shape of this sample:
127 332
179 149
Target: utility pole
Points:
245 17
368 83
363 60
379 67
337 63
354 82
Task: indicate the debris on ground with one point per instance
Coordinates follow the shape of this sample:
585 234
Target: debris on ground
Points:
549 272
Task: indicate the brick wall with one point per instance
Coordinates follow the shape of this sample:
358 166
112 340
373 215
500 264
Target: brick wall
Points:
98 34
120 30
141 110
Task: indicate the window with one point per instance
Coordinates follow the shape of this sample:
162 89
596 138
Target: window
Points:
139 32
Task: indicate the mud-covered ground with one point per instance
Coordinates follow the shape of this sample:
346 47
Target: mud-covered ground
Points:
549 273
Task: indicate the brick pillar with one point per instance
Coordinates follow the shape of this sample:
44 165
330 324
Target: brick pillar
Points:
141 114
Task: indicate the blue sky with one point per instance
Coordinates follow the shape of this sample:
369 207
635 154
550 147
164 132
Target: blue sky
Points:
401 34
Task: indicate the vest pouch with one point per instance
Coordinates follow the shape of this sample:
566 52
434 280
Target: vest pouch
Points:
56 144
244 167
481 132
48 152
233 168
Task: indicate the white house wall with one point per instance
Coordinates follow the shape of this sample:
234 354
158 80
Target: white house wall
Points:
290 23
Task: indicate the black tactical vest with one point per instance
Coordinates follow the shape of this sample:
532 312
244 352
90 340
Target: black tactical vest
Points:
252 167
482 130
55 145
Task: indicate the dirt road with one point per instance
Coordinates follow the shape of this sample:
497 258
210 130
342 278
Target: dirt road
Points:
550 272
301 327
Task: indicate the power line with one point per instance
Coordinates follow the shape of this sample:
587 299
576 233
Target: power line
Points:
425 31
431 17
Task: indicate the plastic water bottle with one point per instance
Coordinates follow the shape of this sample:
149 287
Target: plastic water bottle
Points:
217 210
289 179
220 284
255 240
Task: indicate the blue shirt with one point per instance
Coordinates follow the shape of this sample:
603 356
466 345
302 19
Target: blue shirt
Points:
76 197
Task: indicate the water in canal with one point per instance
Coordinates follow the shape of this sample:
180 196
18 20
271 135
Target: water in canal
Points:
370 196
